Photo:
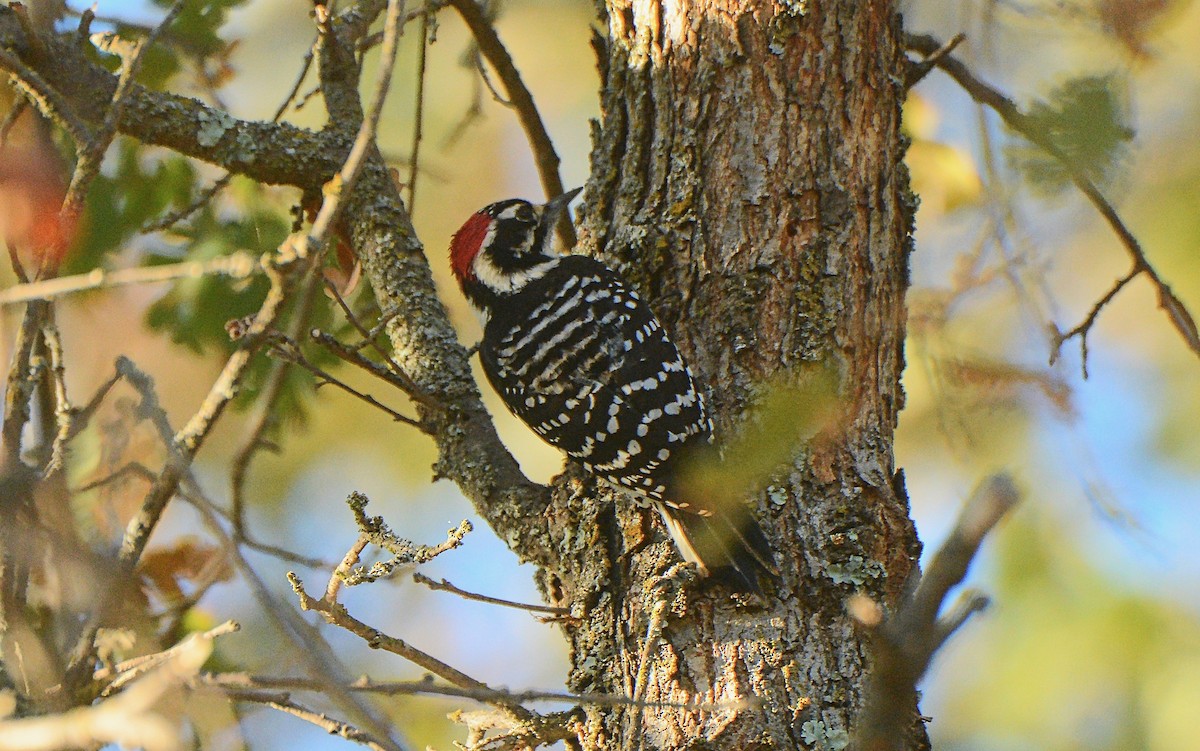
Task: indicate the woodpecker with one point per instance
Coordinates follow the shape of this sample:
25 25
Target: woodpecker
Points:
582 360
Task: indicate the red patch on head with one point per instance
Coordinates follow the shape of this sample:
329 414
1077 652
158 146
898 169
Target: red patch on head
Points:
465 245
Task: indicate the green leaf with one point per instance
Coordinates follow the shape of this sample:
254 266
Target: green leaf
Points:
195 29
1085 120
119 203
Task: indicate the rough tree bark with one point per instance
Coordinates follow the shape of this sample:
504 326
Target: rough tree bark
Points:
747 176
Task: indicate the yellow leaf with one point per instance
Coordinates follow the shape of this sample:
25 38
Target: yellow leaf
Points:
943 176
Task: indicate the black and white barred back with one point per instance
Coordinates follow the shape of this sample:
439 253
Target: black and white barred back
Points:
583 361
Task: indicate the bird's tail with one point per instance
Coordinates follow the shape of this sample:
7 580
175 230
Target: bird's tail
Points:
727 544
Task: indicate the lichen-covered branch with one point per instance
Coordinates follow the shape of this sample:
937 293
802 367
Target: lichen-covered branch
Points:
273 153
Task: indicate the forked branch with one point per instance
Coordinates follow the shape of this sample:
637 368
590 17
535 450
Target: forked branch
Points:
904 642
1012 116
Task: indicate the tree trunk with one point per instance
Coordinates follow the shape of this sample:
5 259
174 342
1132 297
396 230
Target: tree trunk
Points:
747 179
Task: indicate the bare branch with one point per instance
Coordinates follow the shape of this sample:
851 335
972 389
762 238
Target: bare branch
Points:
1085 327
308 649
419 116
182 447
288 350
91 152
1006 108
343 182
325 722
174 217
544 154
63 411
918 70
342 570
264 410
10 119
445 586
393 374
337 615
129 719
904 643
80 93
427 687
237 266
130 670
48 100
404 552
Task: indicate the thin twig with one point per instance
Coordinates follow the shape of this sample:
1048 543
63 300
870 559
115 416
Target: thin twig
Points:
290 352
131 719
337 615
20 384
396 378
1006 108
445 586
14 259
123 673
1084 328
419 115
247 682
91 153
63 411
174 217
10 119
48 100
544 155
918 70
189 439
399 378
181 450
264 410
305 67
404 552
84 414
309 649
137 469
237 266
342 570
371 41
325 722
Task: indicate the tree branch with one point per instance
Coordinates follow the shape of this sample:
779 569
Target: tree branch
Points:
544 155
337 615
445 586
236 266
904 643
81 93
1012 116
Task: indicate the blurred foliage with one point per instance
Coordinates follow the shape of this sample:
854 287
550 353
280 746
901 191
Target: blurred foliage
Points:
198 23
788 414
1069 659
134 191
196 310
1085 119
944 176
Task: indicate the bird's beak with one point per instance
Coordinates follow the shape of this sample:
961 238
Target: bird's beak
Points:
557 205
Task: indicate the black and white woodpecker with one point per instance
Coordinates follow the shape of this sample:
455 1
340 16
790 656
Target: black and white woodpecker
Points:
582 360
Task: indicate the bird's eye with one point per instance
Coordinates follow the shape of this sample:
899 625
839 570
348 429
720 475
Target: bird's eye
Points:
524 213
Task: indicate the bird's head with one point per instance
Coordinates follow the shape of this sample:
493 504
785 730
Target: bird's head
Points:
504 246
